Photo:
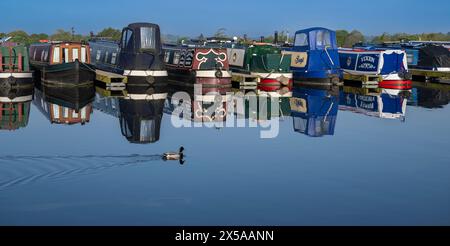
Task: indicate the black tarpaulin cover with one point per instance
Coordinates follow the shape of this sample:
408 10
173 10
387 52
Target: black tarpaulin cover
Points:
434 56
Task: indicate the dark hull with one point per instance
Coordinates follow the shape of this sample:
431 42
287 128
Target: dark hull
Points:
190 77
146 81
16 82
73 73
318 81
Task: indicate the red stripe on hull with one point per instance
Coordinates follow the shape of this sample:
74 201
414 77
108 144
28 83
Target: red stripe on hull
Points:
274 82
396 84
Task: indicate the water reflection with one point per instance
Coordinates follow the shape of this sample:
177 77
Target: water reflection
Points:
15 107
430 95
66 105
139 109
258 103
381 103
314 110
205 104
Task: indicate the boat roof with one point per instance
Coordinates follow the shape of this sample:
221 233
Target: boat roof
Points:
313 29
142 24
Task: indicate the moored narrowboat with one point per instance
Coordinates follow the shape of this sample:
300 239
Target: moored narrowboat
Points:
391 66
197 64
432 56
62 62
261 61
138 55
315 56
14 65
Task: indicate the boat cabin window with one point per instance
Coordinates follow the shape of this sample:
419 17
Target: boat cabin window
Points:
147 38
97 57
301 39
65 55
167 56
56 54
83 54
127 36
113 58
75 54
176 58
323 38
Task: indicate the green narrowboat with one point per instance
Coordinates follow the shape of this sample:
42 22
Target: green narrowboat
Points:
14 65
263 63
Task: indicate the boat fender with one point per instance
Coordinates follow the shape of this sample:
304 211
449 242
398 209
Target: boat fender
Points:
12 93
8 83
406 75
219 73
150 79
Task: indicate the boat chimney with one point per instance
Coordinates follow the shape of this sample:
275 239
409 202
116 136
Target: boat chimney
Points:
262 39
275 37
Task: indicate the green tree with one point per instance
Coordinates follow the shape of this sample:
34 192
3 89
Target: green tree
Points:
220 33
61 35
35 38
110 32
353 38
19 36
341 36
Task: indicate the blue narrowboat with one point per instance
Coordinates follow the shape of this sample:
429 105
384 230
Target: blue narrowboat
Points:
420 55
314 56
390 64
314 110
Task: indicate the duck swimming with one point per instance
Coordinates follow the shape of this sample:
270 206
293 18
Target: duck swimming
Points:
173 156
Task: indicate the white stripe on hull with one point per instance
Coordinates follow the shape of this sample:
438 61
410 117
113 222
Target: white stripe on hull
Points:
17 99
393 76
145 73
16 75
211 74
157 96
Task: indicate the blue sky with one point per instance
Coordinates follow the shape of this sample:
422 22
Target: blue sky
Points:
254 18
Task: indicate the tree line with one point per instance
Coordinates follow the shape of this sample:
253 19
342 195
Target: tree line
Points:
344 37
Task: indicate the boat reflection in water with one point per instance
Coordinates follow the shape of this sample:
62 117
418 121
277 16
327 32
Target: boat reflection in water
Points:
139 109
259 103
66 105
15 107
314 109
381 103
204 104
430 95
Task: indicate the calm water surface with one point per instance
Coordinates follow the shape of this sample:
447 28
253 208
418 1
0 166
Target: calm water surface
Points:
343 156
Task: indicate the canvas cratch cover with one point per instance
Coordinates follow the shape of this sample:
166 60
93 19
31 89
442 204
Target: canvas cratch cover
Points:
434 56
